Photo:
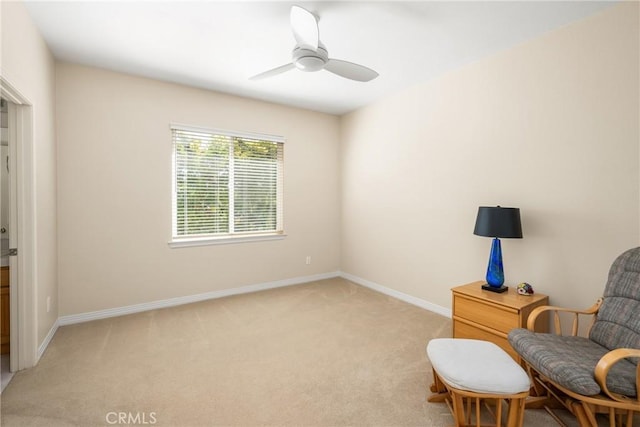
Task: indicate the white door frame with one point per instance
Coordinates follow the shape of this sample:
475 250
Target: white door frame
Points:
24 334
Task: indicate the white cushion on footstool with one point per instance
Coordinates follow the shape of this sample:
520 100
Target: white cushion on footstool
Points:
478 366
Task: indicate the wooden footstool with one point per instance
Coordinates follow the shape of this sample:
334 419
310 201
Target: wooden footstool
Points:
477 370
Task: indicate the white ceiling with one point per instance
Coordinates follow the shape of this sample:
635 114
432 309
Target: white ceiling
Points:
218 45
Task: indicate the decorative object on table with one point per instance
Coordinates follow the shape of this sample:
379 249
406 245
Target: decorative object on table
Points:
524 289
497 222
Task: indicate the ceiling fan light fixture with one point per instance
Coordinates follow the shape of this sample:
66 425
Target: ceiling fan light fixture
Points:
309 63
306 59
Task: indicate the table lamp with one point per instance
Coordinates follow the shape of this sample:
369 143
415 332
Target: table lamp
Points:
497 222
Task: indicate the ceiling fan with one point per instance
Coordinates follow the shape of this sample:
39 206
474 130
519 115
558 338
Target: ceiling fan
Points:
309 54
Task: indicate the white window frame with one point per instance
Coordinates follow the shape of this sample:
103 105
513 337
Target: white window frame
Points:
189 241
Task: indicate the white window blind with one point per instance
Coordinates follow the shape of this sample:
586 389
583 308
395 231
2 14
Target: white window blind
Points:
226 184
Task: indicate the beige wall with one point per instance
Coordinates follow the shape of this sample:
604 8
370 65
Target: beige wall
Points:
550 126
29 67
114 192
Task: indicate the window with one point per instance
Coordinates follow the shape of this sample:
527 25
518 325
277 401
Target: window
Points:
225 186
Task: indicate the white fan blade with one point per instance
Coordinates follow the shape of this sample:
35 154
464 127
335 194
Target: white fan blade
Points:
274 72
305 27
350 70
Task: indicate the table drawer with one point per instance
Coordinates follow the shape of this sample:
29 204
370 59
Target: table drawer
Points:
464 330
493 316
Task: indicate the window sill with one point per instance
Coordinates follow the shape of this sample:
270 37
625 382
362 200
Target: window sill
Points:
226 240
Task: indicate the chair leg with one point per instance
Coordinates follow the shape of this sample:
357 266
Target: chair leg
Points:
584 415
498 412
438 389
591 413
458 409
522 406
537 389
515 416
437 386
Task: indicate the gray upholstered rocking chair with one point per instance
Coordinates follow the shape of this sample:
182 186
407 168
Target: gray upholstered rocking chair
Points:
595 374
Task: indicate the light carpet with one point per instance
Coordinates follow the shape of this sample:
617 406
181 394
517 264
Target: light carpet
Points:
327 353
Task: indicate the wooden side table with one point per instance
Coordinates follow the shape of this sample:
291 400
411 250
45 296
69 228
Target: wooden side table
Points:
489 316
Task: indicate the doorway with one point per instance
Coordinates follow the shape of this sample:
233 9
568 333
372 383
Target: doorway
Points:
5 292
23 341
6 196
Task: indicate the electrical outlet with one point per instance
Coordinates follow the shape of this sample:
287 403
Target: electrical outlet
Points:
48 304
308 260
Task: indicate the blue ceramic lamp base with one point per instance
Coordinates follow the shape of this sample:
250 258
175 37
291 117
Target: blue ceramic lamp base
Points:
495 272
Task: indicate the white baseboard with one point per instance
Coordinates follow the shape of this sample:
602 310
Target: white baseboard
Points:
137 308
398 295
45 343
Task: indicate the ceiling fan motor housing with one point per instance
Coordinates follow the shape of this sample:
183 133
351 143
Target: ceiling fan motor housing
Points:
307 59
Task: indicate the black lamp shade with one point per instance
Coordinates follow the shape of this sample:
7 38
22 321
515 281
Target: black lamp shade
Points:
498 222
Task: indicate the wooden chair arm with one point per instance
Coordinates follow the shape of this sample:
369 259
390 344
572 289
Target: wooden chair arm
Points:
606 363
531 321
